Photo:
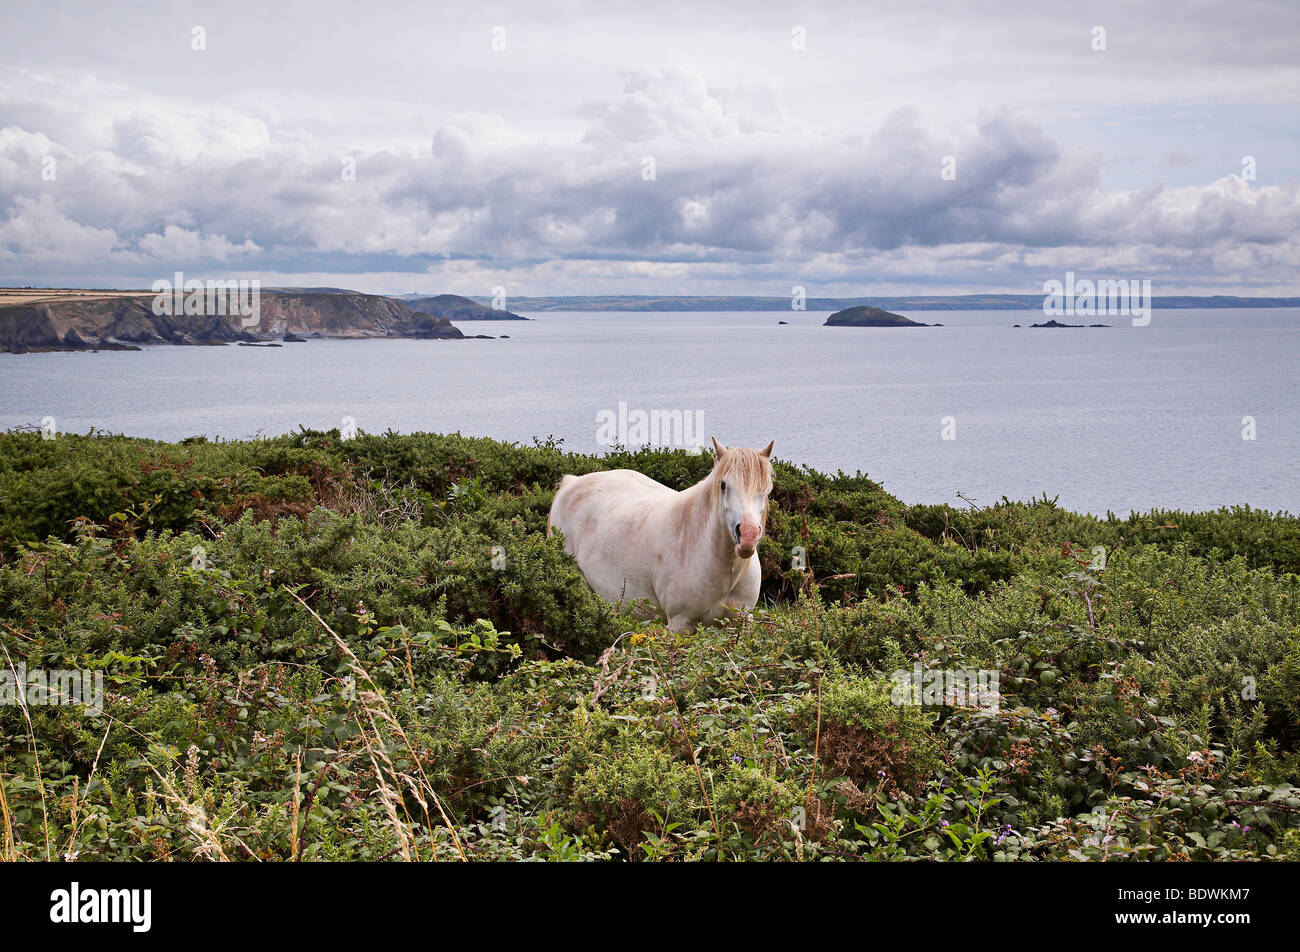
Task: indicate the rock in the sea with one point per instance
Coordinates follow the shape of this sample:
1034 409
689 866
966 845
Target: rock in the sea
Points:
866 316
1055 323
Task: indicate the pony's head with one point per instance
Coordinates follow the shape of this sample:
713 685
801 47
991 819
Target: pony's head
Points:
743 480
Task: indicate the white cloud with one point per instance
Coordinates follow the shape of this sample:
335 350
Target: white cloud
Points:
37 232
771 164
180 244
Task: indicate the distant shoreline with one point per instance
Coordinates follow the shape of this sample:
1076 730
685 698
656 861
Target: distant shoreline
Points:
34 320
960 302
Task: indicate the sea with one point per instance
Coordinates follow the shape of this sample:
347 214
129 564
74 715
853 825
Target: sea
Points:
1195 410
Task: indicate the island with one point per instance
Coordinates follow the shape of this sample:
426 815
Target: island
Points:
864 315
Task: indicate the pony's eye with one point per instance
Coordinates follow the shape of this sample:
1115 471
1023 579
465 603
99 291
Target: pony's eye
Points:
724 485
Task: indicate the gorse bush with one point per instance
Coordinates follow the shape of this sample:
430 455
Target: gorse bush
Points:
319 649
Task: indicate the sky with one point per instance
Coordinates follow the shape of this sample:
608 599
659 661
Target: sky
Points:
850 149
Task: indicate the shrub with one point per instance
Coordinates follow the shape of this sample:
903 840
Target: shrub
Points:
367 649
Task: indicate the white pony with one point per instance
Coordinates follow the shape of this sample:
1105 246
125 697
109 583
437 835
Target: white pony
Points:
690 554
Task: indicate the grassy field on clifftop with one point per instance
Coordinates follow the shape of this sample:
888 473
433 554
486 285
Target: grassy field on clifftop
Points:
318 649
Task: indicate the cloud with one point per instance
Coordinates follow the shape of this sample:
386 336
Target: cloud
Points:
676 105
744 192
37 232
176 243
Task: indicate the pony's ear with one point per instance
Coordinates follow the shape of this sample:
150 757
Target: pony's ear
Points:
767 451
718 448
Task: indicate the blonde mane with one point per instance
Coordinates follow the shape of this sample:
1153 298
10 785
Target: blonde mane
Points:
747 467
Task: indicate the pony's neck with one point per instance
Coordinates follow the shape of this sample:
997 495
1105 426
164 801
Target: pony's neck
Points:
702 522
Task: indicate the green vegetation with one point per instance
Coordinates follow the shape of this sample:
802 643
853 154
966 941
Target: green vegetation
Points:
316 649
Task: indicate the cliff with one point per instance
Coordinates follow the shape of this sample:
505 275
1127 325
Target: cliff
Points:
128 322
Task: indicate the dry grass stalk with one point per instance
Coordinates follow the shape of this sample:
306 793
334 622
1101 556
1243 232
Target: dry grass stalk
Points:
31 733
377 711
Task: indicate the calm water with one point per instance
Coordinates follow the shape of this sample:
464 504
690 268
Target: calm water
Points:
1120 418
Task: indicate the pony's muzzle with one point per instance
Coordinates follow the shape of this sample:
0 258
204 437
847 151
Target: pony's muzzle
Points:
747 536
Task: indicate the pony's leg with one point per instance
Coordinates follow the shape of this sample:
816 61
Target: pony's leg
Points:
726 613
737 605
643 610
682 624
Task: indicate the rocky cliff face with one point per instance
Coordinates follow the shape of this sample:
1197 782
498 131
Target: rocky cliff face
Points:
347 315
129 322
